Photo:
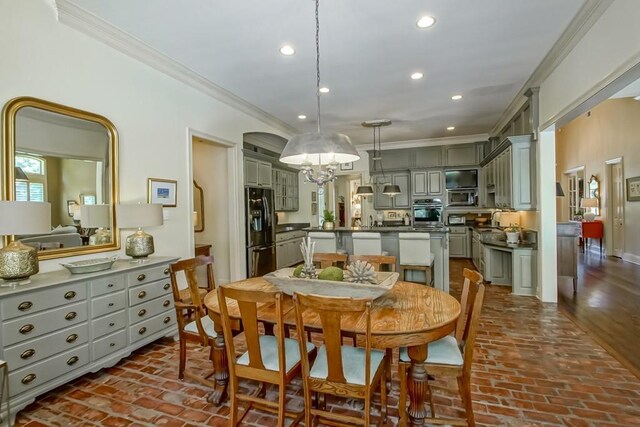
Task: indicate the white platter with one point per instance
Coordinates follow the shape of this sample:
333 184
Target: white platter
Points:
90 265
284 280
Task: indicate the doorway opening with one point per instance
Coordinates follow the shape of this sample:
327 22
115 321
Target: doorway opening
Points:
615 178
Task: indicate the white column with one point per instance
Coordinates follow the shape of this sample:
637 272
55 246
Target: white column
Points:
547 258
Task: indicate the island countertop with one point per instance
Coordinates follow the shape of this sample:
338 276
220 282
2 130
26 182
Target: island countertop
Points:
391 229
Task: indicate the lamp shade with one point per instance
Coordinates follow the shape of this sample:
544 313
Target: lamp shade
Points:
319 148
132 215
509 218
391 190
24 217
95 216
559 192
364 190
589 203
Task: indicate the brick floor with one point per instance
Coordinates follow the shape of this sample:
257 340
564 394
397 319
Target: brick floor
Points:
532 366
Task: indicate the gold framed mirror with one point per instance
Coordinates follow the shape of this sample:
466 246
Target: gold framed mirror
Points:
198 208
69 158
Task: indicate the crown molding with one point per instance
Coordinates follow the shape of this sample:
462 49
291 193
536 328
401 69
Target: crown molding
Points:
413 143
89 24
588 15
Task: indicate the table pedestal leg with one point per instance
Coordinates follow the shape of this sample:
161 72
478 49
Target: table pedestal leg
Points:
417 385
221 374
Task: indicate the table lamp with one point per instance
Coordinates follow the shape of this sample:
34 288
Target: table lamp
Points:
99 217
18 261
590 203
139 245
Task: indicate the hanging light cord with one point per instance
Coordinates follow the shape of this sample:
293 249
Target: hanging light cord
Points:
318 62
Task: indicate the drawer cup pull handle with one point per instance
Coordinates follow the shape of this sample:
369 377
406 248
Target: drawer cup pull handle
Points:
141 277
166 303
112 323
142 312
112 344
70 315
24 306
110 285
166 286
26 328
73 360
111 304
142 330
167 319
142 294
166 271
70 295
27 353
28 378
72 337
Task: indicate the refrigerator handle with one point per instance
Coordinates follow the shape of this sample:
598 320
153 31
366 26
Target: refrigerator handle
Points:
267 211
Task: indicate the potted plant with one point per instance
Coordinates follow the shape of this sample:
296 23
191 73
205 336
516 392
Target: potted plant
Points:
328 220
513 233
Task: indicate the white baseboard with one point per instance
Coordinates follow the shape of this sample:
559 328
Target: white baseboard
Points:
631 258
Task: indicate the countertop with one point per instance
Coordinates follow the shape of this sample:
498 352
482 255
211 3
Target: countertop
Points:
283 228
494 236
394 229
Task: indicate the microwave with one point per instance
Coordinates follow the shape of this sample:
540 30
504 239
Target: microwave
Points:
462 198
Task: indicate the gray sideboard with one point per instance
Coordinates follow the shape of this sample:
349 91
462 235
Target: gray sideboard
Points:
61 326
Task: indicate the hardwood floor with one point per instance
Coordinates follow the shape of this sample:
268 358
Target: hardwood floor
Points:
607 305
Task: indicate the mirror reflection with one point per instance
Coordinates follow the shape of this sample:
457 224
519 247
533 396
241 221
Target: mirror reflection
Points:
65 157
594 193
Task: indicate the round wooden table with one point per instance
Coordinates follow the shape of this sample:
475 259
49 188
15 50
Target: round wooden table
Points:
409 315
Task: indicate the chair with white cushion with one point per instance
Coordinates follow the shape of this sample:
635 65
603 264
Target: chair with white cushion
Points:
272 359
340 370
367 244
325 242
451 355
415 254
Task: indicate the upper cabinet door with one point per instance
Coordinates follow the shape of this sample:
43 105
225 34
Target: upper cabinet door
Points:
402 200
461 155
264 174
419 183
435 187
250 172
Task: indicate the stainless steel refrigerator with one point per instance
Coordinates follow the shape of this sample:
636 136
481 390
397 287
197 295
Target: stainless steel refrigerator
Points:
260 225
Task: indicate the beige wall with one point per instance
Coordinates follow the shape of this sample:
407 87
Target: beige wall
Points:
612 130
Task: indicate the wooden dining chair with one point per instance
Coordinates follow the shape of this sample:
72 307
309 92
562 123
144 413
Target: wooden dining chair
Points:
272 359
340 370
324 260
452 355
194 325
376 261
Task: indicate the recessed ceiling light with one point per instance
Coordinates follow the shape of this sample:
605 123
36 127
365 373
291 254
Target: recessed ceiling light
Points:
426 21
302 117
417 76
451 128
456 97
287 50
324 89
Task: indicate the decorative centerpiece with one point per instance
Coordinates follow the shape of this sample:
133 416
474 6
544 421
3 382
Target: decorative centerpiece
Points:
307 246
329 218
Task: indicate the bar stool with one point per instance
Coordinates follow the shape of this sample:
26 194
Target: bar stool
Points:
415 254
325 243
367 244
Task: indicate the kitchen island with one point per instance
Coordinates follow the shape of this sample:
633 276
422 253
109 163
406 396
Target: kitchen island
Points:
389 236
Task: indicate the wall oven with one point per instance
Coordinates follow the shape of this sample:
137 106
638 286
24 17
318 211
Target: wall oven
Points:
462 197
427 213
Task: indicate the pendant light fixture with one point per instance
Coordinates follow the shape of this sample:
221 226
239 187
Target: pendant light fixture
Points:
316 149
388 189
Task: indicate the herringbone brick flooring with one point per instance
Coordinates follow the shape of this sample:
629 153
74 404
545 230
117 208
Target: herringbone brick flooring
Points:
532 366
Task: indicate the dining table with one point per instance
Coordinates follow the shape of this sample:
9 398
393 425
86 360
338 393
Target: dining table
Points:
408 315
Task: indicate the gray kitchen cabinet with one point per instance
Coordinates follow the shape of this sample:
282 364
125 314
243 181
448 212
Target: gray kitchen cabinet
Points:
390 159
288 251
497 265
459 242
461 155
426 157
475 250
285 190
257 173
426 183
400 201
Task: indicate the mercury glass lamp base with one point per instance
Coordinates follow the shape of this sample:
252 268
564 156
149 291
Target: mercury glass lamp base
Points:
100 237
139 245
17 263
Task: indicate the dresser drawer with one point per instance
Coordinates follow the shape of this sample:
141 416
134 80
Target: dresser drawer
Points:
147 292
147 275
108 324
33 302
39 373
108 304
150 308
28 327
107 345
151 326
107 285
32 351
458 230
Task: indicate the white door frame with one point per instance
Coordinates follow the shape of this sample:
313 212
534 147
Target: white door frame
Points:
607 203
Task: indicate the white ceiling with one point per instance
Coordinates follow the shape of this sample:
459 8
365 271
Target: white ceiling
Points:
484 50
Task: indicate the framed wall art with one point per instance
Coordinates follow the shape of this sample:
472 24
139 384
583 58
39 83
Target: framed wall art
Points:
162 191
633 189
346 166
